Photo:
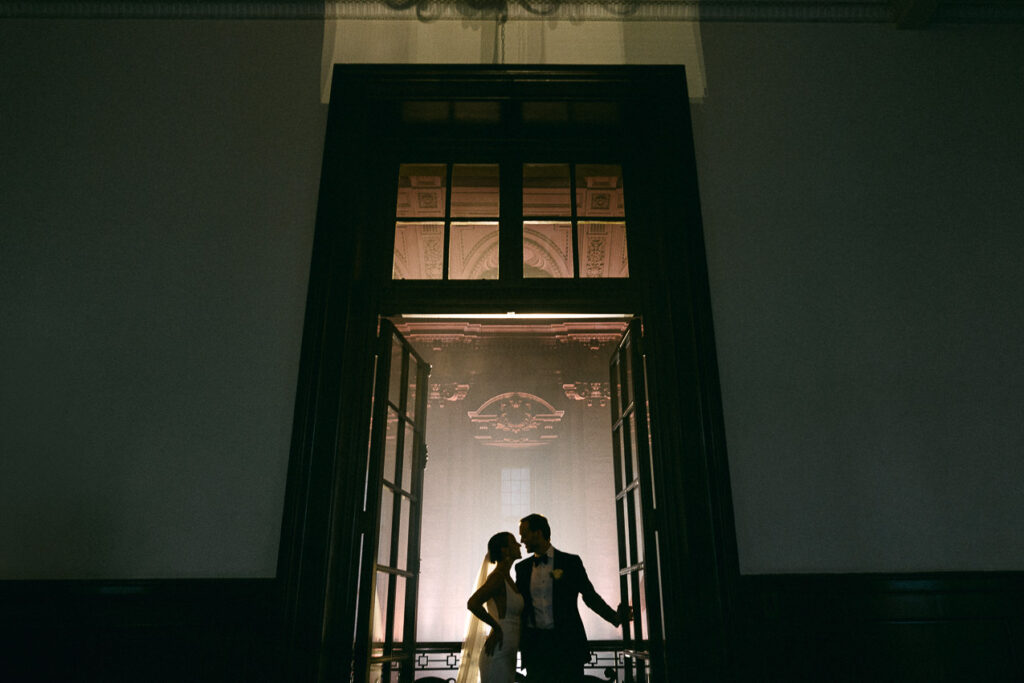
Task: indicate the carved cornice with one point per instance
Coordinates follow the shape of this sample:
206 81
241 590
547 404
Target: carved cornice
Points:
594 393
438 335
516 419
447 392
824 11
162 9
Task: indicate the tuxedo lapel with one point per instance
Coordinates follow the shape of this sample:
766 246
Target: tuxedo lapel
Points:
556 569
524 571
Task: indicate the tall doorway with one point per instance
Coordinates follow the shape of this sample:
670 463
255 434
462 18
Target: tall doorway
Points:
518 422
476 190
522 414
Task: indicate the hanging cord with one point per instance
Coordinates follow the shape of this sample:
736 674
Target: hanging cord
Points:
500 19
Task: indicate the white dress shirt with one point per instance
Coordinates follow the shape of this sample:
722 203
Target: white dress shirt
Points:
542 588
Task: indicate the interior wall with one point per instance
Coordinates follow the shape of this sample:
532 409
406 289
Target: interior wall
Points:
491 464
158 187
862 193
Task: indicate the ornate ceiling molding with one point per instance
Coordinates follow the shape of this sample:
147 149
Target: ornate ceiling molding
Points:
516 419
447 392
594 393
162 9
438 335
824 11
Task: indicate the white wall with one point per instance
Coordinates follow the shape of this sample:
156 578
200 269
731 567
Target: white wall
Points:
158 189
863 201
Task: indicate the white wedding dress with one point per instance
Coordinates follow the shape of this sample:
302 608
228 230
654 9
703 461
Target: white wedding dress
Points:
500 667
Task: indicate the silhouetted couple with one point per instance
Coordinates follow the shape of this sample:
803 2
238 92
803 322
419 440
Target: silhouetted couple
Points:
537 613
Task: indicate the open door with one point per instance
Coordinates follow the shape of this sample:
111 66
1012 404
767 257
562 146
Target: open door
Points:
390 563
634 509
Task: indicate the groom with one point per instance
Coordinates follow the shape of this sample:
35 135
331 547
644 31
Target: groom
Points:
554 644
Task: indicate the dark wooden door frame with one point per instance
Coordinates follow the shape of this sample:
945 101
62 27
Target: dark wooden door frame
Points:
634 503
350 288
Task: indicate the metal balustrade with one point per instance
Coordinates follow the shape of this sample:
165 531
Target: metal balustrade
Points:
441 660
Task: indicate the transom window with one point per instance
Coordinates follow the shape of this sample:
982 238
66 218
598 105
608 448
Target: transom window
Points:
448 218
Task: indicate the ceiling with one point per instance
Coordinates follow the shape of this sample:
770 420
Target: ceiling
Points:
904 13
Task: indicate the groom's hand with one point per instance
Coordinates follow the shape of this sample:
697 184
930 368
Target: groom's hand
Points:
623 613
494 640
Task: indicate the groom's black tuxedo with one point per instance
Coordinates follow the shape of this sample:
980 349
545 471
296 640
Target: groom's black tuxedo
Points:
569 640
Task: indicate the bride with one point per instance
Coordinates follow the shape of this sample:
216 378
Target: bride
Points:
504 604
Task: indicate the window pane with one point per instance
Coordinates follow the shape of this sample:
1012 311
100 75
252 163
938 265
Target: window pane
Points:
638 506
475 191
603 250
395 374
627 362
387 511
639 604
624 457
391 445
410 403
425 112
421 190
547 249
515 495
419 251
634 461
402 562
631 527
628 559
473 251
380 606
545 112
399 623
616 373
599 191
407 457
477 112
411 388
546 190
597 113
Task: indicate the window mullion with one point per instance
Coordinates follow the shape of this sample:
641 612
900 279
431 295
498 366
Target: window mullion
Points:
510 223
575 223
447 221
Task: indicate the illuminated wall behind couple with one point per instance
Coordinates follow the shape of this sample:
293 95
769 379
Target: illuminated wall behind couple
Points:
517 423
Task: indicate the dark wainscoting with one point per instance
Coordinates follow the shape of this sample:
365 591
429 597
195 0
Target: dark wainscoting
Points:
218 630
931 628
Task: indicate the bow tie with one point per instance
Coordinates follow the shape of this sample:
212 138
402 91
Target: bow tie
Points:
543 559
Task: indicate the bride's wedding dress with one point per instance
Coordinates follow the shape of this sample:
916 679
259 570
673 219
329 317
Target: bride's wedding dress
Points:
500 667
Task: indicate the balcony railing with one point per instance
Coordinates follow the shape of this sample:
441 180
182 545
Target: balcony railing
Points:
441 660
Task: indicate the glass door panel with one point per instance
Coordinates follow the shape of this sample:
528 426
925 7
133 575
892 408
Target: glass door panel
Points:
638 573
389 574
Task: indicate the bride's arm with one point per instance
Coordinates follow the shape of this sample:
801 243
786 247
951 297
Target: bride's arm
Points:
475 604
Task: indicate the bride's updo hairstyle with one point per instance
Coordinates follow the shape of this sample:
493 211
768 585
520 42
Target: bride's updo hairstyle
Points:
498 542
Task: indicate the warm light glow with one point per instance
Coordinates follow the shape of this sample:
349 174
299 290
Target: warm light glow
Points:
518 420
514 315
